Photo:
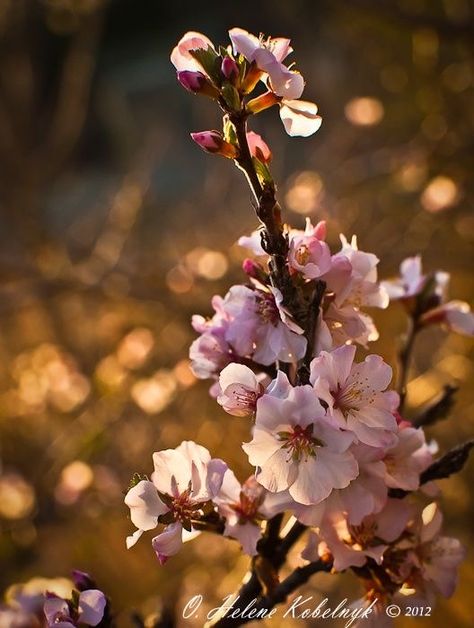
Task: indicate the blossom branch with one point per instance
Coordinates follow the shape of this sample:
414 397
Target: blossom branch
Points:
275 553
452 462
268 212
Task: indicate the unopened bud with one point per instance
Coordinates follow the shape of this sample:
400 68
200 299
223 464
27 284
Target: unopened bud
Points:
229 69
213 142
197 83
254 270
82 580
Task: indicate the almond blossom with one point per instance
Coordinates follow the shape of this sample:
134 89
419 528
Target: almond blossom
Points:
434 307
350 545
184 480
294 447
309 254
405 461
420 564
454 315
412 281
355 394
299 117
365 495
244 507
260 327
268 55
60 613
240 390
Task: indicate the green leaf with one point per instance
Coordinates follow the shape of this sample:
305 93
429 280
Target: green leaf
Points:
210 62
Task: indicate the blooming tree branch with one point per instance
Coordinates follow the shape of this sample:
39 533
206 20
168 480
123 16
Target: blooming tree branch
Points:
334 459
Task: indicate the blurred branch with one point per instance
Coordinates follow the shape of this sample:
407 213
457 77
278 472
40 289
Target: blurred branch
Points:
438 408
404 357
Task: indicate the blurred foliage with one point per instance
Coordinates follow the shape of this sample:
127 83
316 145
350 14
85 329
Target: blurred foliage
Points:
114 230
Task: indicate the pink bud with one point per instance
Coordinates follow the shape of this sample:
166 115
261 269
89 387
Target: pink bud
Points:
229 69
210 141
192 81
258 148
213 142
250 267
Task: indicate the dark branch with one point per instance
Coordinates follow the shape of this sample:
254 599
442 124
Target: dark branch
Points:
438 408
452 462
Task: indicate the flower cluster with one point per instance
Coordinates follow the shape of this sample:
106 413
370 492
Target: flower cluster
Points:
287 351
59 603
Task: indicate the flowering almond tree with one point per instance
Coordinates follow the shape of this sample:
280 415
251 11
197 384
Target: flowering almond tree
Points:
335 461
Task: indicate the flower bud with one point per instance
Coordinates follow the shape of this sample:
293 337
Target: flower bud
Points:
229 69
213 142
197 83
82 580
253 269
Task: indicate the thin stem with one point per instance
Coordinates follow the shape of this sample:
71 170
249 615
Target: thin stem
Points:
404 361
274 241
310 331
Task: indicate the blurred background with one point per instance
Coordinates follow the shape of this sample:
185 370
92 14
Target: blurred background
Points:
115 229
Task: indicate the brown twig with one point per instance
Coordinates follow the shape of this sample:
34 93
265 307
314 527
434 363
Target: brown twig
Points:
404 361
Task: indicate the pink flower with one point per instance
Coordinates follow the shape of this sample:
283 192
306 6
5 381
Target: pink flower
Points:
365 495
295 448
351 545
244 508
455 315
407 459
309 254
268 54
90 610
240 390
184 479
209 354
412 281
439 556
353 277
181 57
355 394
299 117
260 327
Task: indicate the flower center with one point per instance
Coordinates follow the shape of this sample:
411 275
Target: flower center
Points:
182 508
362 535
267 308
300 442
302 254
347 399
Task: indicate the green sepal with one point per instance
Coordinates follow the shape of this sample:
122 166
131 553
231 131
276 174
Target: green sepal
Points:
136 478
229 132
210 61
263 172
231 96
